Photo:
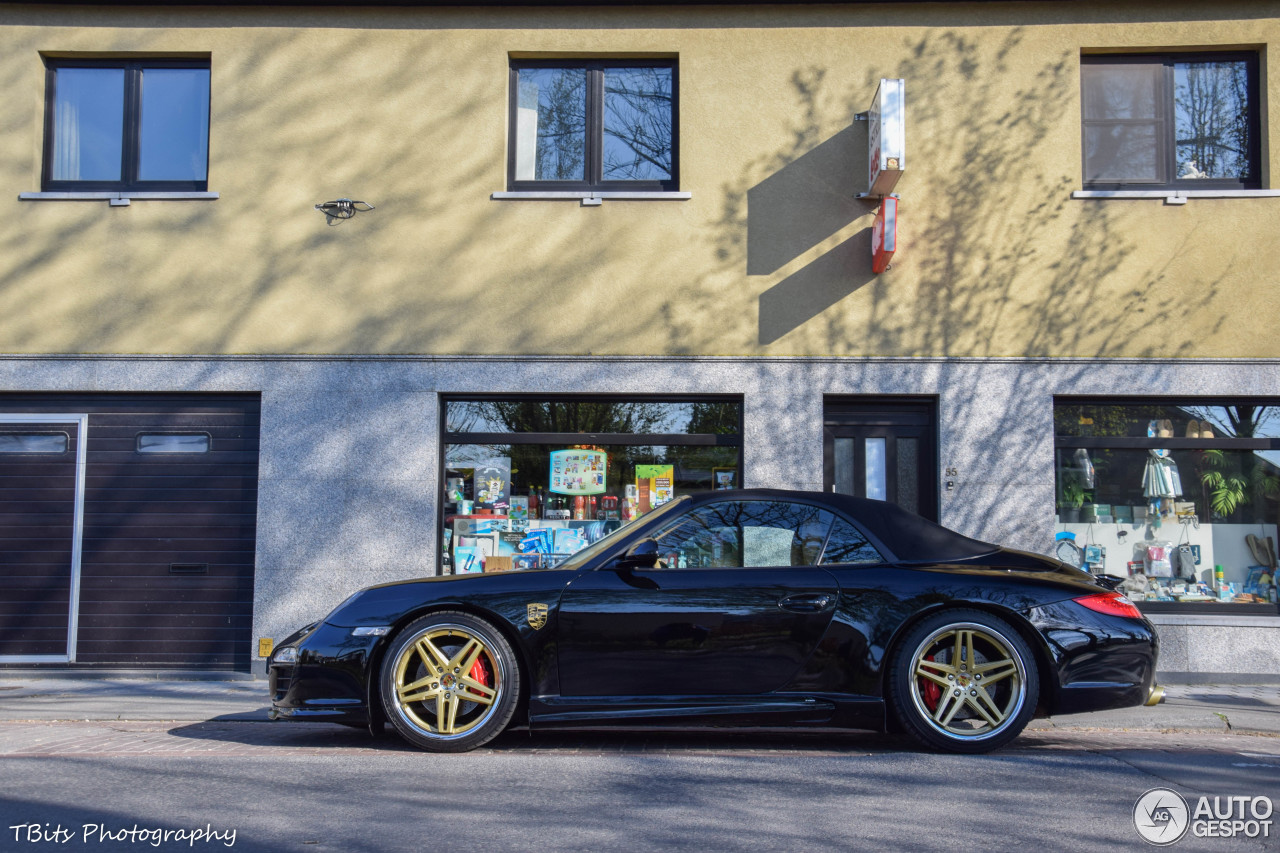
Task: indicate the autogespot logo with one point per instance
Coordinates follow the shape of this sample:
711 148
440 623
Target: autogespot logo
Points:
1161 816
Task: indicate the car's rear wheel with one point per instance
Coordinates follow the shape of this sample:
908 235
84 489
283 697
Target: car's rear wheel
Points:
449 682
963 681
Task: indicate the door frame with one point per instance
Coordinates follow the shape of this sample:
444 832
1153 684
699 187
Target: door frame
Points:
879 415
81 422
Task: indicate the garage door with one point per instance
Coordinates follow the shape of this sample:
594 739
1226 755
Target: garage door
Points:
166 543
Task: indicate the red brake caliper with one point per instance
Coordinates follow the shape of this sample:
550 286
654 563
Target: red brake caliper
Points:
480 672
930 691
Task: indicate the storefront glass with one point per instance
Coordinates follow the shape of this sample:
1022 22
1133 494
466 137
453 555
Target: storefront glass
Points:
529 482
1180 499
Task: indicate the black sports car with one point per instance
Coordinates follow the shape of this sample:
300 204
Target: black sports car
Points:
749 607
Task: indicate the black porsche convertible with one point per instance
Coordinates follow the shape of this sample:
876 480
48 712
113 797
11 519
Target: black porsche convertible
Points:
757 607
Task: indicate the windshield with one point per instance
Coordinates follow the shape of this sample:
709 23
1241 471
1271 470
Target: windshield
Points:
594 550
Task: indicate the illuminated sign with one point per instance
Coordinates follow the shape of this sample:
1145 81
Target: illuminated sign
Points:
886 137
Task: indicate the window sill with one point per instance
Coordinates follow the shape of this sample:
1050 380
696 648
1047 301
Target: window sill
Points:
1176 196
117 199
590 198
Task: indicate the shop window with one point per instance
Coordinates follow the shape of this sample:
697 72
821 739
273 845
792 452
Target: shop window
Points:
593 125
173 443
1174 121
1178 501
33 442
117 125
531 481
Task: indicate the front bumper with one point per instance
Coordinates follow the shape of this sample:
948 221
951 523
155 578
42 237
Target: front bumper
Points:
329 682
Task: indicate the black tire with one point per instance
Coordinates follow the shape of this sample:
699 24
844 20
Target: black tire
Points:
939 677
449 711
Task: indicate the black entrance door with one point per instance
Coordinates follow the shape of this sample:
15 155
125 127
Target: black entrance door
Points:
883 449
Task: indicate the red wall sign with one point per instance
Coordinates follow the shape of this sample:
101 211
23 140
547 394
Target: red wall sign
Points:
884 235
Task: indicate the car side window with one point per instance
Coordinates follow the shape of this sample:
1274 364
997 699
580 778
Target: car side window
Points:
754 534
846 544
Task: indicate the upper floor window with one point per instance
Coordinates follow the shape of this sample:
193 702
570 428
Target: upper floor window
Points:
1184 121
593 125
126 125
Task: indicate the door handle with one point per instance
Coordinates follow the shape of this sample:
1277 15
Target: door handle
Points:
806 602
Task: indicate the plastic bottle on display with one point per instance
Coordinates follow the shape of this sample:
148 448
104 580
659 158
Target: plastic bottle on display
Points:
533 502
579 508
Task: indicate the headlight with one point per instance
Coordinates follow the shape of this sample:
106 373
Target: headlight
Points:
288 654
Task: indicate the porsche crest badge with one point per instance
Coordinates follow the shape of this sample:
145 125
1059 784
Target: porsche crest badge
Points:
537 615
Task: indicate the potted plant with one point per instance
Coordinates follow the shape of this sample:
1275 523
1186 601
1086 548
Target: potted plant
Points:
1228 490
1071 497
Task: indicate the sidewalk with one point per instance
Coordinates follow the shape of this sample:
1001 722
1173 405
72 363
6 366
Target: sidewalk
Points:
45 699
1243 709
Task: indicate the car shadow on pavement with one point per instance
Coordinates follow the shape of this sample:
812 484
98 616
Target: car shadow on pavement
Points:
231 736
1218 701
236 730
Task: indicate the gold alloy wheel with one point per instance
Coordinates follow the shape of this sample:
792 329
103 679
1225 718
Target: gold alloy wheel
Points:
968 681
435 687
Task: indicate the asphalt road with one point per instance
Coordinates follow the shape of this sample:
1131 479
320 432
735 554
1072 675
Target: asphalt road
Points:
296 787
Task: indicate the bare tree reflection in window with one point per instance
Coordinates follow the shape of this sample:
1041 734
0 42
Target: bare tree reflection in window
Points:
638 113
552 111
1211 101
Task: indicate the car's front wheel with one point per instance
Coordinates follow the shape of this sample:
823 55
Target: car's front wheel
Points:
449 682
963 681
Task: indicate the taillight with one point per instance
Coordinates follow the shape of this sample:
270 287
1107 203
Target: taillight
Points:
1110 603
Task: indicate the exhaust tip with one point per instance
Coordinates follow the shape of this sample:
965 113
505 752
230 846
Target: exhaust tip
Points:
1155 696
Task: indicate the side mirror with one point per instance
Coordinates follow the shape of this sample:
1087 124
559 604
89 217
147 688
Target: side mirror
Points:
641 555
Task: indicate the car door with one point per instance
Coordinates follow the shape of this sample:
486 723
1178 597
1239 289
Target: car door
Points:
736 607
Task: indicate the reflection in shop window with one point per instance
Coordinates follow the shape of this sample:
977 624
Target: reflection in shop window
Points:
594 416
1179 502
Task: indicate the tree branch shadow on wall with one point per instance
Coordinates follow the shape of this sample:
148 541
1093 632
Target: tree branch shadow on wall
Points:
996 257
997 260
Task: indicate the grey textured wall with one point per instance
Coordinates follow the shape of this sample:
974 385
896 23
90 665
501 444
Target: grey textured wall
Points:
350 449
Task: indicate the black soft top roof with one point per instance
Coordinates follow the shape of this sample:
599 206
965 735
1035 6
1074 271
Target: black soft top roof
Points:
911 538
907 537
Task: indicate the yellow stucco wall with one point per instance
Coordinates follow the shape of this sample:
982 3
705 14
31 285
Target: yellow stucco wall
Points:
407 109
